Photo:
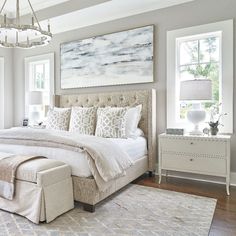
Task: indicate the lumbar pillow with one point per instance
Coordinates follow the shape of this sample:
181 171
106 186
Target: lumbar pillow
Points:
58 119
83 120
111 122
133 117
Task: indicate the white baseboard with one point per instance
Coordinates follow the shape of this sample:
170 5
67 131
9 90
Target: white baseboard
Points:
204 178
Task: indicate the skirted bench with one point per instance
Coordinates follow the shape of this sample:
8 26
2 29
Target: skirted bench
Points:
43 191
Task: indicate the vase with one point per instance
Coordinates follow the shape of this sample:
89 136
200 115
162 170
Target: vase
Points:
214 130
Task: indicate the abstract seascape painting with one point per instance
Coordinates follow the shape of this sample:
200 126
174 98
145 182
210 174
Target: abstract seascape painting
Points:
120 58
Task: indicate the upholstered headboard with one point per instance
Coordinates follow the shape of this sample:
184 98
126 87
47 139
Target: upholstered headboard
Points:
121 99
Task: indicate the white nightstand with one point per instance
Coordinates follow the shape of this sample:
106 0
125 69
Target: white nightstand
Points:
208 155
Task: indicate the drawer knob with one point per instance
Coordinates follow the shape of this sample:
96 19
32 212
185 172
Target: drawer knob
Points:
191 143
191 159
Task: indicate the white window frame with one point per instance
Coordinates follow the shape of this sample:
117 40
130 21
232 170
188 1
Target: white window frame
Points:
28 61
226 73
2 94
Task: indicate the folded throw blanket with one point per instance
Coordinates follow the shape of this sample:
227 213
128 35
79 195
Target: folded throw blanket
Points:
8 167
106 160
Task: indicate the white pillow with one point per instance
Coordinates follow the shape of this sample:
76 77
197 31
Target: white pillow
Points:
83 120
111 122
138 133
58 119
133 117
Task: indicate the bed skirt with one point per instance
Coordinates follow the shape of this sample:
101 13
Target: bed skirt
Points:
39 201
86 190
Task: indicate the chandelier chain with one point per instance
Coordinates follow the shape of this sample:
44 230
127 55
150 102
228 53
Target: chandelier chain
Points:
17 12
3 6
34 14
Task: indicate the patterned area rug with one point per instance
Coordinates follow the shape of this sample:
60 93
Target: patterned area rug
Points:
135 211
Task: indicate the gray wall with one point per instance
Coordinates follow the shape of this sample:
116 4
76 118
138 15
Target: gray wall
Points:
189 14
7 54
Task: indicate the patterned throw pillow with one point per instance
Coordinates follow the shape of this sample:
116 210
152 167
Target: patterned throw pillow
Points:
83 120
58 119
111 122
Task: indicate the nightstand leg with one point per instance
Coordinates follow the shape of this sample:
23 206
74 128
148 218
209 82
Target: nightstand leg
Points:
227 185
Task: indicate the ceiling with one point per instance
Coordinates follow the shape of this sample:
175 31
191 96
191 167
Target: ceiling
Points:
10 7
68 15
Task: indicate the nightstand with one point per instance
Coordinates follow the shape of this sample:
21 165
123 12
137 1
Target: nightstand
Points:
207 155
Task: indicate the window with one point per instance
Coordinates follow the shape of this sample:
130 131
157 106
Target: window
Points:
201 52
2 107
199 57
40 78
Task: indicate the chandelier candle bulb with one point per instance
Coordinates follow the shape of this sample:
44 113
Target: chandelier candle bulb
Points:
17 38
49 28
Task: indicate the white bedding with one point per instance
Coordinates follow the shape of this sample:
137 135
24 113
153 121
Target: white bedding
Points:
136 148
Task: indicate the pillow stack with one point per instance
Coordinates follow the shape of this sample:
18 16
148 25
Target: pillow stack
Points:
108 122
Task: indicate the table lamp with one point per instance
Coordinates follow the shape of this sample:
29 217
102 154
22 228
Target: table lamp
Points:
196 91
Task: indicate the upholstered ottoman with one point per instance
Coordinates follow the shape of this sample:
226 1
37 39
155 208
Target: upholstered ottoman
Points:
43 190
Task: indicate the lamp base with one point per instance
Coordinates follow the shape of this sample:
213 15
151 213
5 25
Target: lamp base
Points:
196 132
196 117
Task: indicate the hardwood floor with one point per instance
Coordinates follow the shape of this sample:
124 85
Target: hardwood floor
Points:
224 221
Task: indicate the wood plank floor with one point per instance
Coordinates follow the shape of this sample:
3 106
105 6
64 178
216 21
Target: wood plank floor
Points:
224 221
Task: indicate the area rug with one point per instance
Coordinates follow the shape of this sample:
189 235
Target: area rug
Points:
136 211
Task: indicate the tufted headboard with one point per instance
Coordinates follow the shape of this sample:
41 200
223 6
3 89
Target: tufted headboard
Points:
121 99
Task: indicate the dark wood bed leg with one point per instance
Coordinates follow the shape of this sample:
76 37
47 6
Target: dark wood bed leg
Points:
88 207
150 173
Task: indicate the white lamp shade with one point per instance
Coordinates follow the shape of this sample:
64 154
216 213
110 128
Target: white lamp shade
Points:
198 89
35 98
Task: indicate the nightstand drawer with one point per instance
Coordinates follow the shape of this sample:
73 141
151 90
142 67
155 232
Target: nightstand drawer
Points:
194 146
192 164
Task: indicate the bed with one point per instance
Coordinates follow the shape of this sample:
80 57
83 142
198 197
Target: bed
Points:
85 189
141 150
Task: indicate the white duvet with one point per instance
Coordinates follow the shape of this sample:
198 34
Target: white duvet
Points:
105 159
135 148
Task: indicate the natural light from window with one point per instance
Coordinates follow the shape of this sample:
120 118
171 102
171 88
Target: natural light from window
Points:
39 81
202 52
199 57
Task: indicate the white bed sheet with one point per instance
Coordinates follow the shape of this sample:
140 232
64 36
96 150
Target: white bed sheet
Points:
136 148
